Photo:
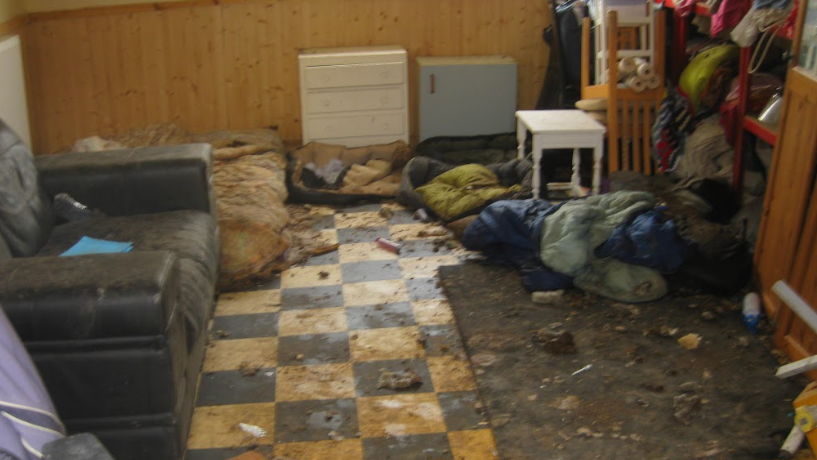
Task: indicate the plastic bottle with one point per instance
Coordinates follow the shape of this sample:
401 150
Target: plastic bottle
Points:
751 311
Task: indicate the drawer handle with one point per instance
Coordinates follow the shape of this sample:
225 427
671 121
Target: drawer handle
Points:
433 83
385 126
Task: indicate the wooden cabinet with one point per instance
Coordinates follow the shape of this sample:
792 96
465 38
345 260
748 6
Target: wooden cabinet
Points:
787 244
354 96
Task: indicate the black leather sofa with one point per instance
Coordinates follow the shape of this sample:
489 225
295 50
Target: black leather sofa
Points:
118 338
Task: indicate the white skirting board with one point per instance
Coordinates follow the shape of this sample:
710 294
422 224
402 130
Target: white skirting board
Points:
13 104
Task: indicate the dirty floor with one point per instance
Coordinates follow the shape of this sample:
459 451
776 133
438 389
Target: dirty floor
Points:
301 360
629 390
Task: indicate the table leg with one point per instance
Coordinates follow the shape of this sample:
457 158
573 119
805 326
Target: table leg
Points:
575 179
521 133
598 155
537 159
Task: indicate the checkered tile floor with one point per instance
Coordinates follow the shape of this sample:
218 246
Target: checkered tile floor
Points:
320 336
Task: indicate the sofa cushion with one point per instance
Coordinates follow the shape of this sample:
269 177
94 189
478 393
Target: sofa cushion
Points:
25 212
191 235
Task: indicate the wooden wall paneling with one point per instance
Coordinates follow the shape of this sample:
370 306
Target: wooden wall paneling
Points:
232 64
244 49
291 19
443 31
154 73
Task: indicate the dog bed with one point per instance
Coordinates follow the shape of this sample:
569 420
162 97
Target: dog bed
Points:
336 175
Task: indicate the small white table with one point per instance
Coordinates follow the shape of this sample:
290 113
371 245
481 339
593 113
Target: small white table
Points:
559 129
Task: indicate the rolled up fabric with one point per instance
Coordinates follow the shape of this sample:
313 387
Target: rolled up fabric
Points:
653 82
636 84
644 69
626 66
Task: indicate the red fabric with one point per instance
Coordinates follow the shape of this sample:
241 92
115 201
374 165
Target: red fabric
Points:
729 15
791 21
729 120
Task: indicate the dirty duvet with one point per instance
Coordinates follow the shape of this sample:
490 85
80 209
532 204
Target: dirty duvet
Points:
613 245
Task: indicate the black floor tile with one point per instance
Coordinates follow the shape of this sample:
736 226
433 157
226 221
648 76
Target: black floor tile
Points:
460 412
367 376
421 446
323 259
442 340
299 350
324 223
378 270
366 207
231 387
403 217
380 316
303 421
424 288
245 326
362 234
311 297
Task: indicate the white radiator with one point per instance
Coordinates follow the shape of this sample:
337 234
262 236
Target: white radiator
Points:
13 106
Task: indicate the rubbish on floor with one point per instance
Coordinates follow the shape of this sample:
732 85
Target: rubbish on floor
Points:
805 412
421 215
385 213
484 359
685 406
569 402
335 436
547 297
325 249
751 311
792 443
555 342
689 387
401 380
388 245
805 312
247 369
690 341
585 368
253 430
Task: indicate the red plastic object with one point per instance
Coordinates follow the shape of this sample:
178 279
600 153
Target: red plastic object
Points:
388 245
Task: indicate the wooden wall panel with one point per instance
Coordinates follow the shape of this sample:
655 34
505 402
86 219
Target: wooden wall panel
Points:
233 64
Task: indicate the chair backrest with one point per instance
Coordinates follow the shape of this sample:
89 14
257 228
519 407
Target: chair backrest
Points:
26 218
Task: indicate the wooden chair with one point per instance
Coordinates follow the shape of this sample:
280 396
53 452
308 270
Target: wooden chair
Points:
628 128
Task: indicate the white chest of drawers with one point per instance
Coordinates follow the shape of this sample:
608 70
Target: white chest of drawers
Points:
354 96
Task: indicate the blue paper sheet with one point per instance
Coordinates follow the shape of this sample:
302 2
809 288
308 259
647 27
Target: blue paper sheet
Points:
87 245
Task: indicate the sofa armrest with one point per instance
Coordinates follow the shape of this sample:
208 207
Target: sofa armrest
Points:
91 296
134 181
